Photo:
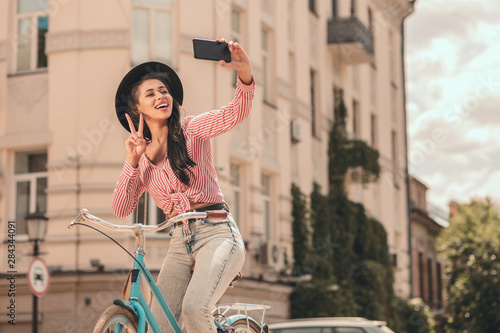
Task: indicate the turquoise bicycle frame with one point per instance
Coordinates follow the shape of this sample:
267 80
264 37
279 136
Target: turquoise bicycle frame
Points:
139 306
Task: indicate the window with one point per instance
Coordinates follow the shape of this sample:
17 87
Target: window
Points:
349 330
370 19
373 130
303 330
152 31
430 296
32 26
291 21
312 6
30 183
266 63
391 58
439 285
421 274
356 131
236 33
313 103
236 23
335 9
394 111
353 7
337 98
394 152
266 197
373 87
235 176
153 215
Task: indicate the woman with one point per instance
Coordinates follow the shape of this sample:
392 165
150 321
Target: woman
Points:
172 159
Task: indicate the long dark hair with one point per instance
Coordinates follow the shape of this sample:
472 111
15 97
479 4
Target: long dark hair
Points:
177 153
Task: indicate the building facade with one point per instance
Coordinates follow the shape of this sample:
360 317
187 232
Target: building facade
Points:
62 148
428 268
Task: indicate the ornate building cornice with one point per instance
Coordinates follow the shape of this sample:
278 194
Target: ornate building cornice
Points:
394 11
81 40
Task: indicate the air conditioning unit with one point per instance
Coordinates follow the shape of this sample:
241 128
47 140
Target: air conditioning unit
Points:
295 131
272 256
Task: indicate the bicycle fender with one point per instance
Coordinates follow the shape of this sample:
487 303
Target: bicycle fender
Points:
233 318
127 306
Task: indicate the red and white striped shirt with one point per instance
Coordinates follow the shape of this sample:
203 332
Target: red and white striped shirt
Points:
165 188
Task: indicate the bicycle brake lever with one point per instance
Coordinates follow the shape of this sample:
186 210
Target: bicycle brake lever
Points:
79 218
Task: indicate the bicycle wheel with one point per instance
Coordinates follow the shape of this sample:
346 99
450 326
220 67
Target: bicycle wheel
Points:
240 326
116 315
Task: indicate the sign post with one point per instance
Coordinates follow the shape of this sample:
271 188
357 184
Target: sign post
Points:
38 281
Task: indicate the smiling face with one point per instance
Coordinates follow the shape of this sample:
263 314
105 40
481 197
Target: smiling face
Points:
154 101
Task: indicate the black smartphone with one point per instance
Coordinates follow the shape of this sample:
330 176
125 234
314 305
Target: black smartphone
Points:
211 50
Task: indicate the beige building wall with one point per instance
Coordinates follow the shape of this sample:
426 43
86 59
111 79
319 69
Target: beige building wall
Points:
66 109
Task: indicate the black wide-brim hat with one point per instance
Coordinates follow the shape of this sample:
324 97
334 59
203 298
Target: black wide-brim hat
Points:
134 76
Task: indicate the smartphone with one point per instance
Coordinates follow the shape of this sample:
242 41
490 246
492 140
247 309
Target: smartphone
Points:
211 50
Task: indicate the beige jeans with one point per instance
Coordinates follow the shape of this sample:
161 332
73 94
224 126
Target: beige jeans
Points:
219 252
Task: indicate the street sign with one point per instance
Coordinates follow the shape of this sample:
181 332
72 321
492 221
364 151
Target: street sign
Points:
38 277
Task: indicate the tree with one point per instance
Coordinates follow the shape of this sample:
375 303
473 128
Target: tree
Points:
300 230
471 246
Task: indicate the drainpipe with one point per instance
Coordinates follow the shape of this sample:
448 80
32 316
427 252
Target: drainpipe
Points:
407 178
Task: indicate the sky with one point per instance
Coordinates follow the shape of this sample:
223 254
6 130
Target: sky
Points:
453 98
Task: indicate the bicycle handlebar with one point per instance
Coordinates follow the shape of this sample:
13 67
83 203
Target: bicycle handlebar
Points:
84 215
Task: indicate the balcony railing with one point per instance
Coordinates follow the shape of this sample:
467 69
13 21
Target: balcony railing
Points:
352 39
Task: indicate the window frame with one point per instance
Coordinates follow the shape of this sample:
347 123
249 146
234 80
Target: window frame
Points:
34 47
370 20
267 210
137 215
153 9
32 178
236 205
268 69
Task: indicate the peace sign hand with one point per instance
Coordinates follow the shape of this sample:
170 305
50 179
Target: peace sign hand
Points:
135 144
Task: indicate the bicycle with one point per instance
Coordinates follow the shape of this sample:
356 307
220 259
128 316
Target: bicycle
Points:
132 315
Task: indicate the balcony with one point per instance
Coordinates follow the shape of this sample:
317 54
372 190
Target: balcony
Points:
351 39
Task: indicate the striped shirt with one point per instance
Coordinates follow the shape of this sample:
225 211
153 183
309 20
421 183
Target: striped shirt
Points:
166 189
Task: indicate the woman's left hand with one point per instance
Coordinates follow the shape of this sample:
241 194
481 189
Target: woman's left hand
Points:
239 61
172 213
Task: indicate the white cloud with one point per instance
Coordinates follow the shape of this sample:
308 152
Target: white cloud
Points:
454 98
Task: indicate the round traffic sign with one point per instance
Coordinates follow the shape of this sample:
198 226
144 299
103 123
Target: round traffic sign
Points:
38 277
